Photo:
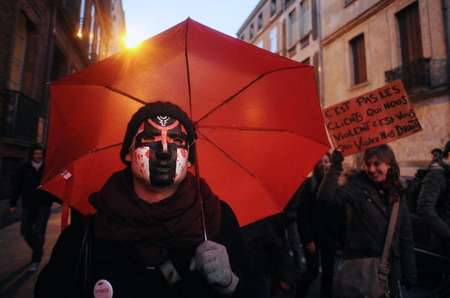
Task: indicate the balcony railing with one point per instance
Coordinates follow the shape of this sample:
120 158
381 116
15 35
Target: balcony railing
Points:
420 75
18 117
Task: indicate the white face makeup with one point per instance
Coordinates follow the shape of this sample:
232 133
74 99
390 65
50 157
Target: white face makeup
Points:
140 163
159 153
181 164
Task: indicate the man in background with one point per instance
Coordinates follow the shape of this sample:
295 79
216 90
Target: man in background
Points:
433 204
36 204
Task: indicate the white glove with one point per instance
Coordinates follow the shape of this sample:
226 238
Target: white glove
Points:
211 260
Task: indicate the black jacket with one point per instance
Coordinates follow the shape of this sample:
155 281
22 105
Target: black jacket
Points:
128 277
307 213
433 204
25 184
366 214
267 251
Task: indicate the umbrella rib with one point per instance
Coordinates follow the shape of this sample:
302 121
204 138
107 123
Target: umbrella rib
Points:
230 98
188 72
104 148
247 128
258 129
124 94
227 155
117 91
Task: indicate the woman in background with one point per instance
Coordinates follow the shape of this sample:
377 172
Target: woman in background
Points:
362 208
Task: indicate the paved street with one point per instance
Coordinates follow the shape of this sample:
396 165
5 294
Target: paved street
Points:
15 256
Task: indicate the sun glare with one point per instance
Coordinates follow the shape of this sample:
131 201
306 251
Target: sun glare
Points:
131 42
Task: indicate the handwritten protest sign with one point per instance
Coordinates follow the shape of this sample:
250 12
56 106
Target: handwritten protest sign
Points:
372 119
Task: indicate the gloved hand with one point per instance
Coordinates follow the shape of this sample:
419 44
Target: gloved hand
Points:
211 260
336 159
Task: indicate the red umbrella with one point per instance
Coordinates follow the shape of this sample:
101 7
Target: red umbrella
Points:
257 116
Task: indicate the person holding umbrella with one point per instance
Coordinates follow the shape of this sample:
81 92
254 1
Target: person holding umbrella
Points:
148 233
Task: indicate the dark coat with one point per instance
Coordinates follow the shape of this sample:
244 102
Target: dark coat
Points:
433 204
267 251
25 186
366 213
308 220
130 278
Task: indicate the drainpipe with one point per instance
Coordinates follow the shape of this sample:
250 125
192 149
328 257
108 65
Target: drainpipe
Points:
319 38
49 59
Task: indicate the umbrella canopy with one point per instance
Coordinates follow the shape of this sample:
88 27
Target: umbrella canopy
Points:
257 116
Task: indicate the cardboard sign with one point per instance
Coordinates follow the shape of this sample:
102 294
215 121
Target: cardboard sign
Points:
371 119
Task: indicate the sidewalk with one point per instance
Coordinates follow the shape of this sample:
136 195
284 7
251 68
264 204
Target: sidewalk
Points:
15 256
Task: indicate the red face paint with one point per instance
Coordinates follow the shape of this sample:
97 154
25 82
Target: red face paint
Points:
160 151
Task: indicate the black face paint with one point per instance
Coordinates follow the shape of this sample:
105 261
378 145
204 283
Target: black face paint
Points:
166 140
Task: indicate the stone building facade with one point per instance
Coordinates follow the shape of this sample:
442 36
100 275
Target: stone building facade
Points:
363 44
378 41
288 28
117 27
41 41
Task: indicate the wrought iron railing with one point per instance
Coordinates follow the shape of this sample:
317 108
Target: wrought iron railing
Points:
419 75
19 117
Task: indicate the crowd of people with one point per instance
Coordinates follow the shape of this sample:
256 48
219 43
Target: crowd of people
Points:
355 229
343 219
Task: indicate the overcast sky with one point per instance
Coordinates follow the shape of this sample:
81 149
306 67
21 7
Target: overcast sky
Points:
145 18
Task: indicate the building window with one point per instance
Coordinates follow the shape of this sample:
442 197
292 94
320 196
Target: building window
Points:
287 3
409 32
82 18
292 28
260 44
40 131
305 18
273 41
23 60
18 54
348 2
358 53
260 21
59 64
91 32
273 7
98 40
242 37
252 31
306 61
317 70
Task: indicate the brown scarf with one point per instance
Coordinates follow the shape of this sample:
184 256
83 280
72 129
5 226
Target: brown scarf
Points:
151 229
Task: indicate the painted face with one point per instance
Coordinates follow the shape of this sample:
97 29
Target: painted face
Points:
159 153
377 169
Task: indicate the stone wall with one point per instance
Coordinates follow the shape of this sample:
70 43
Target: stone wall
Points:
336 15
382 49
414 151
